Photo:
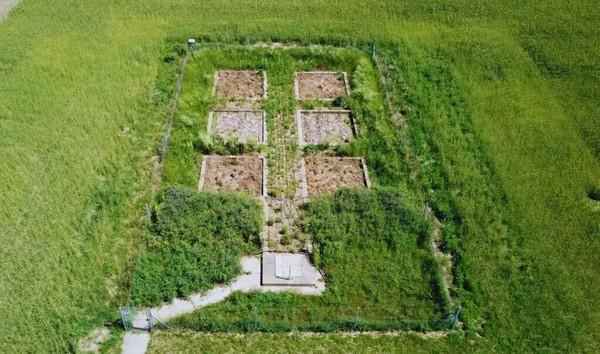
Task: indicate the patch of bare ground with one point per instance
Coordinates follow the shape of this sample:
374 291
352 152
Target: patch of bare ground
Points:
233 174
320 85
91 343
241 125
325 174
427 335
240 84
325 126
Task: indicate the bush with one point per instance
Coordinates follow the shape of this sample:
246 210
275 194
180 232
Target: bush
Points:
196 241
370 244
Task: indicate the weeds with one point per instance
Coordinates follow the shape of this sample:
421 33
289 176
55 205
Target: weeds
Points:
197 240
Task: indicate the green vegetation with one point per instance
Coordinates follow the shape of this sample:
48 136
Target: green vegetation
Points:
81 113
373 248
197 240
174 342
475 198
188 140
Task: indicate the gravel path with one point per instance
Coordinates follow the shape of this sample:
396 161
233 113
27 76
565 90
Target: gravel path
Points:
136 342
5 6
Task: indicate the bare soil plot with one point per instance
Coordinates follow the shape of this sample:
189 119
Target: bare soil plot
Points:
234 174
324 126
242 125
325 174
321 85
241 84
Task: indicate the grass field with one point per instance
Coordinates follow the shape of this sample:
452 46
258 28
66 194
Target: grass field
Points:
80 120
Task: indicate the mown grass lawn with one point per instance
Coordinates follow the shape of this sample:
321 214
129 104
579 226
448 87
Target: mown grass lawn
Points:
80 120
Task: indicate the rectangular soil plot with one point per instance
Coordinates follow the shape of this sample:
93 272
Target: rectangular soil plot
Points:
321 85
242 85
324 126
241 125
327 174
234 174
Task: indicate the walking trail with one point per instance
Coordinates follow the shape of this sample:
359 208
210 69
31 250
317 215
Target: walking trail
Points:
5 7
136 341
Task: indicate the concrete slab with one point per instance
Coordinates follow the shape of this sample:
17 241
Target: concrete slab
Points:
135 342
289 269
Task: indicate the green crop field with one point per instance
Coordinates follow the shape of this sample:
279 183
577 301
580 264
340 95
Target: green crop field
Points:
491 117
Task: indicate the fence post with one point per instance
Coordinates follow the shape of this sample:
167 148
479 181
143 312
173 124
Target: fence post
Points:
149 319
125 317
454 318
356 318
373 55
148 211
255 319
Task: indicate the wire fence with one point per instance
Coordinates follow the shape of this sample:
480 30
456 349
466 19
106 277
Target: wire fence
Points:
263 320
259 321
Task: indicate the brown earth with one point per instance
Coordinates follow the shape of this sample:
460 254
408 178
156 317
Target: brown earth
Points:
239 84
234 174
326 174
320 86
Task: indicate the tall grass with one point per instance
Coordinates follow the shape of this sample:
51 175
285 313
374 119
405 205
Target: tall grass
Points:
373 247
196 241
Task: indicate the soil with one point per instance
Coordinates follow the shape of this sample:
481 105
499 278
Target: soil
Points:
91 343
321 86
239 84
241 125
326 174
326 127
234 174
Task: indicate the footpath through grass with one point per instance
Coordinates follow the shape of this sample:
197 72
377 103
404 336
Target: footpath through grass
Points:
78 126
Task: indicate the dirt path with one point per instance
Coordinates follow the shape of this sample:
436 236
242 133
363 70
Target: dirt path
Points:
5 7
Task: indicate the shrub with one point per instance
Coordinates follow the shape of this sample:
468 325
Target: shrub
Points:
196 241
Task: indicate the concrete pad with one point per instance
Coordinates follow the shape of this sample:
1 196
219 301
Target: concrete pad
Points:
288 269
135 342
